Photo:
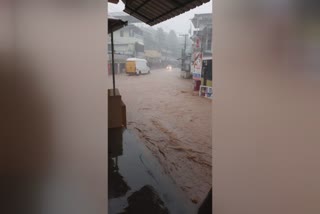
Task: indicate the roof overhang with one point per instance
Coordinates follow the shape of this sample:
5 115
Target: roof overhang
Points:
115 24
153 12
114 1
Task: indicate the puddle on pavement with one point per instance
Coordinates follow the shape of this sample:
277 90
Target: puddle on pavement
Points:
136 181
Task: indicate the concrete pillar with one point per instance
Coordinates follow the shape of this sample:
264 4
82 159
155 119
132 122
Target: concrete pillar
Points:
62 64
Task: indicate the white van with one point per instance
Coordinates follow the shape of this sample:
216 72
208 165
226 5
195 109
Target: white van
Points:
137 66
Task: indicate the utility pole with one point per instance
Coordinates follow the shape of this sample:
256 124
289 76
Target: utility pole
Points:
112 60
183 53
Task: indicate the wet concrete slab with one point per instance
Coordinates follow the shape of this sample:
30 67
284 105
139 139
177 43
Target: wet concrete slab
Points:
137 182
145 200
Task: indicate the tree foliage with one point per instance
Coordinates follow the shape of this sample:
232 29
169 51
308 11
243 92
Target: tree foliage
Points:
173 43
161 38
162 41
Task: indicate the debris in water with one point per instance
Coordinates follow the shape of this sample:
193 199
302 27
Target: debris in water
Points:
162 152
195 201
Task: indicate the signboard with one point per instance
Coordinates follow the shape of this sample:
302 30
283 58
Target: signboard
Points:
205 92
196 76
197 66
198 42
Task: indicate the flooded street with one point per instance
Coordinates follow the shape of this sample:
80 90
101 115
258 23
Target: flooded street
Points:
137 182
174 125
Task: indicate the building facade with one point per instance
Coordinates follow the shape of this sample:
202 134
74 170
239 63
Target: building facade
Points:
128 42
201 63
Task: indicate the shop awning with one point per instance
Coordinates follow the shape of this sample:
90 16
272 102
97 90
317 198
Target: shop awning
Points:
153 12
115 24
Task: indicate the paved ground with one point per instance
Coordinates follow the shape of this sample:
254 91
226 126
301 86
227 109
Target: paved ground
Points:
174 124
137 183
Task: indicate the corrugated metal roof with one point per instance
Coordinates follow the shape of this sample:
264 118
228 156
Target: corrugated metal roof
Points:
153 12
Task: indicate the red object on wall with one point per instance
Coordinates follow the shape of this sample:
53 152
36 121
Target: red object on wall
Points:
196 85
198 43
109 69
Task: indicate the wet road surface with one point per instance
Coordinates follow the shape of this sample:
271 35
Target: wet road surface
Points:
137 182
173 124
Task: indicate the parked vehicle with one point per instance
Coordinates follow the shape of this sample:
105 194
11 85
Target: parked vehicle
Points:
137 66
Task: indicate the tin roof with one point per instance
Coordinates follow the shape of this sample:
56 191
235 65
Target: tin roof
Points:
153 12
152 53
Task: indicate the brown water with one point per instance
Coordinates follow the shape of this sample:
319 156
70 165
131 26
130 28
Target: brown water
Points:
174 124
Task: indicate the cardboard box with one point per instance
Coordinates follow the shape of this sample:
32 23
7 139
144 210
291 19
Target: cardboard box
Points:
114 109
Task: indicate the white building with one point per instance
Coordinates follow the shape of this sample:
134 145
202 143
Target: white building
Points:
128 42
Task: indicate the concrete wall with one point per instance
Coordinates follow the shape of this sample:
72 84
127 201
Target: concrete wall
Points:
126 39
265 113
61 50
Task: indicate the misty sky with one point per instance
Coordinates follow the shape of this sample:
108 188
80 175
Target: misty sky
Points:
181 23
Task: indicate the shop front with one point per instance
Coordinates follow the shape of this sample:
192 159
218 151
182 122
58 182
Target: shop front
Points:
197 67
206 78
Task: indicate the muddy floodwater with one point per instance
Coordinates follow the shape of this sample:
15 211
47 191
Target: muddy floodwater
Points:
174 124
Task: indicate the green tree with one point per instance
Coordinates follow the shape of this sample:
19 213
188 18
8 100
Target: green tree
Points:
161 39
173 43
149 41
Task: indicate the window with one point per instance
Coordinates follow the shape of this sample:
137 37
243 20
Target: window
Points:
131 33
121 33
209 70
209 44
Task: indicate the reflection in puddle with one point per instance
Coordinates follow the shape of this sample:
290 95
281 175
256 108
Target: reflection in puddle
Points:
117 186
145 201
137 183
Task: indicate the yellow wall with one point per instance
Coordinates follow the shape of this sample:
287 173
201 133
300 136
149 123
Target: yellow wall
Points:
209 82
